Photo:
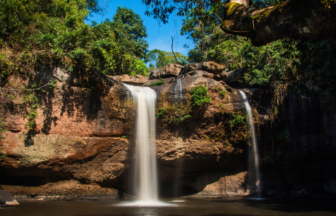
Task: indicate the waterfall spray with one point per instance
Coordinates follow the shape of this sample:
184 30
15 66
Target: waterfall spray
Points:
253 141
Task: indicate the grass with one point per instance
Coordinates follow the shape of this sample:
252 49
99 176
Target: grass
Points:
158 83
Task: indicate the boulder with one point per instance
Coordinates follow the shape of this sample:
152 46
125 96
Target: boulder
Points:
223 75
166 80
220 185
134 80
6 199
171 70
211 67
235 75
201 73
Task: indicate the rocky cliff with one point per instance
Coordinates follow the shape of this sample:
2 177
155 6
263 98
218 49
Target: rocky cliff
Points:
83 141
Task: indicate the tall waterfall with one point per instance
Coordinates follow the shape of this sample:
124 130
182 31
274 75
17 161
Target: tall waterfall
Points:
178 89
254 163
146 181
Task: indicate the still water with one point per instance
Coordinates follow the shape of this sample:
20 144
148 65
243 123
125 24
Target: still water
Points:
180 208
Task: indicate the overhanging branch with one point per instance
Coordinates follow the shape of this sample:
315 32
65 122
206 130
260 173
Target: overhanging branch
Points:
296 19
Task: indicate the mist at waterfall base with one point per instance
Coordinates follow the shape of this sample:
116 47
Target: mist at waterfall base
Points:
254 174
145 182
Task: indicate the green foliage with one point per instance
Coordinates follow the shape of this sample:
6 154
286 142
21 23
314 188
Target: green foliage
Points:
160 58
173 115
272 65
30 100
199 96
130 34
35 33
161 9
202 26
237 120
229 51
283 136
2 127
124 137
318 58
158 83
275 110
223 92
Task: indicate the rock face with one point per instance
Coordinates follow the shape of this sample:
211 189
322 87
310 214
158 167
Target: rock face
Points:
65 190
78 137
136 80
84 140
227 186
211 67
171 70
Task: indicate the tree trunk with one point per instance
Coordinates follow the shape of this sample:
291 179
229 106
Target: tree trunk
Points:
296 19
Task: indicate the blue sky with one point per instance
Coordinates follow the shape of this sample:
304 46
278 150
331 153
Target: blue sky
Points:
159 35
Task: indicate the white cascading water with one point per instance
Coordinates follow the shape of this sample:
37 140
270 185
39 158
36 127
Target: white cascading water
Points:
253 141
178 89
146 182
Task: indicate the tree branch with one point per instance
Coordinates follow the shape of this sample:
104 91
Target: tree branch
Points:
173 50
296 19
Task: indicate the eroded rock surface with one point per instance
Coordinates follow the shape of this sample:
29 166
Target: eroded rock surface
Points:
134 80
171 70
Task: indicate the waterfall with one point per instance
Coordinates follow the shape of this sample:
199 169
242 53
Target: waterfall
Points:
178 89
254 153
146 181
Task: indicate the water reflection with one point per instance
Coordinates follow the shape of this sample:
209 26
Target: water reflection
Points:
187 208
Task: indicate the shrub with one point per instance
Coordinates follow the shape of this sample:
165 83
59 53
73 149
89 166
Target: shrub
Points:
199 96
158 83
171 114
237 120
223 92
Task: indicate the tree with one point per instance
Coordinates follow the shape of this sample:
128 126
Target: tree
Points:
295 19
130 33
202 26
161 58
